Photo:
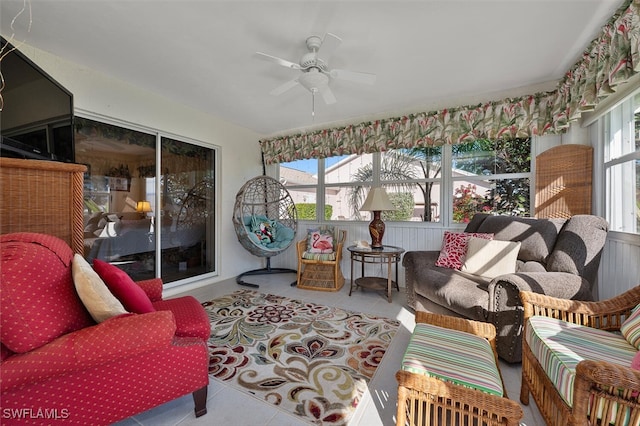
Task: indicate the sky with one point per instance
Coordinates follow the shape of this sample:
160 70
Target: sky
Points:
311 166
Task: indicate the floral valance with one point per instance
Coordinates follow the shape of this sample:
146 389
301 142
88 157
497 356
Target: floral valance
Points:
610 60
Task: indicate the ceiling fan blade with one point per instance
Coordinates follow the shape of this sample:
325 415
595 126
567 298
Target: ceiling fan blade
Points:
329 45
279 61
356 77
284 87
328 96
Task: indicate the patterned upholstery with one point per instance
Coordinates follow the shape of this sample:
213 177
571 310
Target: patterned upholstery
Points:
454 356
100 396
82 372
319 256
559 346
114 339
153 288
191 319
34 267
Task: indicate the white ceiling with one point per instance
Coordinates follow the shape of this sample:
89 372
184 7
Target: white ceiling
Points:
425 53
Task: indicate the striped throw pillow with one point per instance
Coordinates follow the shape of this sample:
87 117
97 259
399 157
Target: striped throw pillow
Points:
630 328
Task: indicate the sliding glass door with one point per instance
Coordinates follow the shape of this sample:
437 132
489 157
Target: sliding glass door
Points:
187 205
149 201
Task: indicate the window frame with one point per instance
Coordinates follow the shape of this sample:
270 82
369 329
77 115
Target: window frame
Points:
445 179
604 126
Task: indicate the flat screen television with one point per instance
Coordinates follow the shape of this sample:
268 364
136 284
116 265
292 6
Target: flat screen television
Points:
36 120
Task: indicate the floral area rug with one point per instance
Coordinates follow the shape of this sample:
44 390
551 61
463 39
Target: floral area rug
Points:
311 360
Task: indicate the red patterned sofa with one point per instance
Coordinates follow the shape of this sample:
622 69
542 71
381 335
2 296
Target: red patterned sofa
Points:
59 367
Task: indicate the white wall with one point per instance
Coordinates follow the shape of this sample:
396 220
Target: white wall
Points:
240 154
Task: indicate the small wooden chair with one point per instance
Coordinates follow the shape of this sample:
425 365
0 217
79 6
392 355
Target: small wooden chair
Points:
321 271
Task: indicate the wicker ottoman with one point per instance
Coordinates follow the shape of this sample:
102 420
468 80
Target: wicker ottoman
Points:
450 375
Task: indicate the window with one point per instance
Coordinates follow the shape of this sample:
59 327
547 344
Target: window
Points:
150 218
622 166
483 176
491 177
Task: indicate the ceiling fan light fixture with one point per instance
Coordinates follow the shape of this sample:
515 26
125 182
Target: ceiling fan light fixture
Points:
314 80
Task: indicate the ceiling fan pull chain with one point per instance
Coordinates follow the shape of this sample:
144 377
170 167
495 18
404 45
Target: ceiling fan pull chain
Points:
313 105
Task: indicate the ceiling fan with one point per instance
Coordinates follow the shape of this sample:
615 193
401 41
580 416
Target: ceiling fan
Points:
315 72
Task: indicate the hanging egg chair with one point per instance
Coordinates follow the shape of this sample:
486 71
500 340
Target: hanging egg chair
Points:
265 220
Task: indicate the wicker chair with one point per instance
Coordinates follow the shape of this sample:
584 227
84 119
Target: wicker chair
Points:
613 387
317 273
424 400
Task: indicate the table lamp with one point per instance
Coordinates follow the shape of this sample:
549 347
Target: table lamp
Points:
376 202
143 207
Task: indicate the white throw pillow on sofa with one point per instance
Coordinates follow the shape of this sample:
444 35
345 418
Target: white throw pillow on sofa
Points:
490 258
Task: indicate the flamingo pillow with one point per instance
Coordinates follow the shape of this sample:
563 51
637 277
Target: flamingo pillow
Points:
320 241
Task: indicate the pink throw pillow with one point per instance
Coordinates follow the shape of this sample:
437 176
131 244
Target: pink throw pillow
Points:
320 242
635 363
130 294
454 248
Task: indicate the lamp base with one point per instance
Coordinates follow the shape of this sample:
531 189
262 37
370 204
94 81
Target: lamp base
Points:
376 230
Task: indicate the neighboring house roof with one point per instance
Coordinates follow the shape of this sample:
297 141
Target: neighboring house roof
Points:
290 177
343 162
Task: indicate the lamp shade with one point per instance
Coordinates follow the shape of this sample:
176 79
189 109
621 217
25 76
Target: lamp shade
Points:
143 207
377 200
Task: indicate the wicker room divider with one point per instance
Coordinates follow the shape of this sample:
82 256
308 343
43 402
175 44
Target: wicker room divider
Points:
42 196
563 181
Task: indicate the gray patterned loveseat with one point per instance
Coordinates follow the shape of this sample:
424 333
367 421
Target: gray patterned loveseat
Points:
557 257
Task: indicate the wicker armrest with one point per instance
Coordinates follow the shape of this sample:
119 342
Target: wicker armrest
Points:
606 314
301 246
616 386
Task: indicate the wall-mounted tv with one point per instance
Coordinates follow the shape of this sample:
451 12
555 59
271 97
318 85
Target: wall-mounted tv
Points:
36 120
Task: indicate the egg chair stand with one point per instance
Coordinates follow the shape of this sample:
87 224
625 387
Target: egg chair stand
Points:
265 220
265 271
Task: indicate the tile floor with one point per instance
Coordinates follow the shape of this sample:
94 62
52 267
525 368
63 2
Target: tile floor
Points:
227 406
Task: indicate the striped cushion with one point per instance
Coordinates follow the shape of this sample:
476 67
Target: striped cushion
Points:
630 328
454 356
319 256
559 346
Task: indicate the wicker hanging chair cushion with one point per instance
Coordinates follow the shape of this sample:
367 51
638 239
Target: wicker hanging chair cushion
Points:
267 233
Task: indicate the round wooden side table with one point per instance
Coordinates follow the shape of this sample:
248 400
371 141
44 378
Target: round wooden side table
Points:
390 255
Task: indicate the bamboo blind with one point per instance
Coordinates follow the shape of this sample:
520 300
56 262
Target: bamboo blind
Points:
563 181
